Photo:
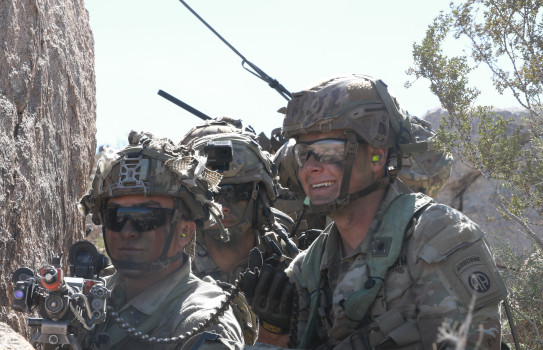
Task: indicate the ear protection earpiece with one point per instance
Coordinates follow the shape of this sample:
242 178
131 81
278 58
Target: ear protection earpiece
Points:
376 158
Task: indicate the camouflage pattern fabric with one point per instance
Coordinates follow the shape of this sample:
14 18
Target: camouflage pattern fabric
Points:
426 172
355 102
170 308
218 125
154 166
443 263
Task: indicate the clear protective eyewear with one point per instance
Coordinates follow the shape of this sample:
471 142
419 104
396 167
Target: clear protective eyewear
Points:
325 151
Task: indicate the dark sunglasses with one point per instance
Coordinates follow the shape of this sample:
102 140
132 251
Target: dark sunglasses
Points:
142 218
235 192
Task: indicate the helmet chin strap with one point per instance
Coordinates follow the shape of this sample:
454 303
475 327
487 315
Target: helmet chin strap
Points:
345 198
161 263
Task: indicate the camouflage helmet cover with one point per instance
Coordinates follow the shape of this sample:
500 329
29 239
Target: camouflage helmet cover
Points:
427 171
355 102
249 164
155 167
218 126
287 166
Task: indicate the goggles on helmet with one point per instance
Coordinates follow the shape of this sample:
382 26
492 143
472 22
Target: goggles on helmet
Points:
142 218
325 151
234 192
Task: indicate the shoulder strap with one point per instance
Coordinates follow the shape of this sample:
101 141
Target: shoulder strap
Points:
310 280
384 250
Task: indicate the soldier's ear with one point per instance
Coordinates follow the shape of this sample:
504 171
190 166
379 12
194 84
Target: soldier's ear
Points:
185 230
378 157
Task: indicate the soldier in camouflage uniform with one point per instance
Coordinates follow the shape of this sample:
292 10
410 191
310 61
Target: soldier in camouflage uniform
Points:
149 200
426 172
394 265
247 191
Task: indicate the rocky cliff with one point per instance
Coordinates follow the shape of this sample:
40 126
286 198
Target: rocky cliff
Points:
47 133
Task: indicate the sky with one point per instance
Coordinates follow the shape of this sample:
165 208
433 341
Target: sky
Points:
143 46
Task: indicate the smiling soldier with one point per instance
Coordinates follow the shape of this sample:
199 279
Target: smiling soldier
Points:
394 265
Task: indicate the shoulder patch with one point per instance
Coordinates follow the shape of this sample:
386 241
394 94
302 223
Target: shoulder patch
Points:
470 271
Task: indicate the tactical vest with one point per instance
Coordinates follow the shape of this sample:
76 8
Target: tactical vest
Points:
385 248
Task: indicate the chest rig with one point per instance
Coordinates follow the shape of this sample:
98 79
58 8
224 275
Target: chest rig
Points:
385 247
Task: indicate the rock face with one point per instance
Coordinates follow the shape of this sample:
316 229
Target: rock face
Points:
10 340
473 194
47 134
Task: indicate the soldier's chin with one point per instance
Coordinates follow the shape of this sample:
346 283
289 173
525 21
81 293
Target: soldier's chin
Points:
129 273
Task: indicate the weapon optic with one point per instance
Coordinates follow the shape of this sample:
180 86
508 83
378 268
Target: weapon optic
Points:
70 307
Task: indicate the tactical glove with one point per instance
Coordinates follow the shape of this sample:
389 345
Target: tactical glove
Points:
307 237
270 295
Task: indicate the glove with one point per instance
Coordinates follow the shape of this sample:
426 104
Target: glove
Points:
270 295
307 237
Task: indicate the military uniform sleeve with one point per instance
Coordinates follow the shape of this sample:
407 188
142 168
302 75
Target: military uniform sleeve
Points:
451 265
200 306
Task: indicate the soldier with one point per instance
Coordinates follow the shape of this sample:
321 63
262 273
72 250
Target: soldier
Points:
149 200
247 191
425 171
394 265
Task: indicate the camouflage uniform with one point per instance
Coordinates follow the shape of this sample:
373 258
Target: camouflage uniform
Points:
170 308
430 282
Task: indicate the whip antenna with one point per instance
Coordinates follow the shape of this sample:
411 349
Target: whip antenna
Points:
259 73
183 105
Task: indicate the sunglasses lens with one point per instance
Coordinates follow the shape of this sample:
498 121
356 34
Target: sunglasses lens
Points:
142 218
324 151
235 192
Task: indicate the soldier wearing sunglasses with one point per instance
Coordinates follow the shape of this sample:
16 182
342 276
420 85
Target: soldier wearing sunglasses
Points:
247 192
394 265
150 200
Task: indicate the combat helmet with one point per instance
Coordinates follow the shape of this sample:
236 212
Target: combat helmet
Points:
240 160
427 171
219 125
286 167
364 108
152 166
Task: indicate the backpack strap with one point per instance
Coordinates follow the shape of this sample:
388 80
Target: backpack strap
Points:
310 280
